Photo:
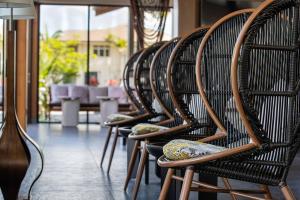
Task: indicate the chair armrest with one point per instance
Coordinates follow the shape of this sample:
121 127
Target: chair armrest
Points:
165 122
132 113
216 136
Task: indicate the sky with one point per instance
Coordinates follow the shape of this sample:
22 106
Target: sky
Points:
63 18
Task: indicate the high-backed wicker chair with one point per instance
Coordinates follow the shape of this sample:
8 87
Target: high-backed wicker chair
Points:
142 79
128 81
159 92
215 50
184 93
144 96
159 85
129 87
266 82
140 113
182 89
264 90
190 120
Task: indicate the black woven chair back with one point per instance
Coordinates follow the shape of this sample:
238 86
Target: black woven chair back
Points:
215 63
159 83
269 82
142 78
128 81
182 83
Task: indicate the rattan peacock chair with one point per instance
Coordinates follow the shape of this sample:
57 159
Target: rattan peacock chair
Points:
139 112
217 46
182 90
148 113
266 83
157 78
158 82
185 94
263 94
129 87
192 123
181 81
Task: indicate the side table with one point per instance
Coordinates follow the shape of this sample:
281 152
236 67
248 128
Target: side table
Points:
108 105
70 111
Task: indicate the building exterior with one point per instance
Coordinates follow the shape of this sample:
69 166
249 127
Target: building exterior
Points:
107 59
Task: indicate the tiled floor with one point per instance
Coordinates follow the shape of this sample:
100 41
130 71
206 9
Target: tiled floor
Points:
72 169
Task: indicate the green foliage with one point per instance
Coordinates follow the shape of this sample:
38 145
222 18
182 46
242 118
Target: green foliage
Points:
115 41
59 62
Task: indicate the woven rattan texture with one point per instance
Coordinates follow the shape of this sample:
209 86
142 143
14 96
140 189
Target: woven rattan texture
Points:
142 77
128 81
184 87
268 80
160 83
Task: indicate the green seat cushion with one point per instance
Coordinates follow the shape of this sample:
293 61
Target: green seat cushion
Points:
180 149
118 117
146 128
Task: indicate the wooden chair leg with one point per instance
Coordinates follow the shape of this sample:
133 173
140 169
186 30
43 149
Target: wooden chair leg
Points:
124 141
287 193
113 149
140 171
147 170
132 162
187 182
228 186
106 145
166 186
268 194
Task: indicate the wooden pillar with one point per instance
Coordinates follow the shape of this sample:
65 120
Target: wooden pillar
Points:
33 71
186 16
21 71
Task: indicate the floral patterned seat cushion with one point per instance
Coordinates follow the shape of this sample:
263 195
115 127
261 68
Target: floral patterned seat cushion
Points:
146 128
180 149
118 117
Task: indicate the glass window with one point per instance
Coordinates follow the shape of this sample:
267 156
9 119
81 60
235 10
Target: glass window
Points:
82 46
109 42
109 27
101 51
69 40
63 56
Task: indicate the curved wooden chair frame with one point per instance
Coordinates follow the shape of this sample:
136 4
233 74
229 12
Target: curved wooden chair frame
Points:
158 92
187 181
128 73
238 69
188 126
143 65
222 133
140 115
256 144
166 46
